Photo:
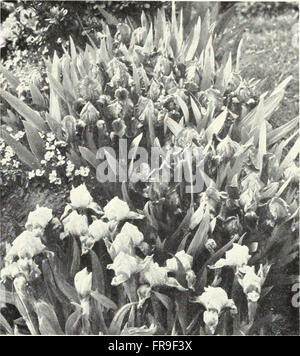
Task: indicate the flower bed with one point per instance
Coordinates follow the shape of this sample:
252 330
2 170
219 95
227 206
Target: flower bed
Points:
144 256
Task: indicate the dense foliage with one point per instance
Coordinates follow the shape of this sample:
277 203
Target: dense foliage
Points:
42 26
267 8
139 257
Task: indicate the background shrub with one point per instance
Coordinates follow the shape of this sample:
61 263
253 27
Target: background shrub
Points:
42 26
269 9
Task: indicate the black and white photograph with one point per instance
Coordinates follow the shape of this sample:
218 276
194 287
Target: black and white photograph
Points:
149 171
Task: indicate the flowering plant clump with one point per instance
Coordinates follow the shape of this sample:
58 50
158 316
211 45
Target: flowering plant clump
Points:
127 251
149 255
55 169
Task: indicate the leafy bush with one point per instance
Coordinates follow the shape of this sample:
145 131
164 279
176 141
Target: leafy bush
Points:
270 8
139 257
39 27
42 26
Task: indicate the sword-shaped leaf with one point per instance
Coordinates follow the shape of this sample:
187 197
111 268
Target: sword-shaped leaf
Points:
279 148
293 153
224 75
262 144
192 43
174 127
20 150
37 97
103 53
281 131
184 108
73 49
35 141
216 125
196 112
201 235
28 114
89 156
148 46
110 19
116 324
48 323
98 274
104 301
4 323
208 67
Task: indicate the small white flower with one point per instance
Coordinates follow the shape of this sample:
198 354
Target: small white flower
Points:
39 218
9 152
19 135
49 155
121 243
124 267
60 143
116 209
84 171
75 224
61 160
211 320
50 147
50 137
80 197
133 232
39 172
52 176
251 284
4 162
58 181
9 271
238 256
16 164
155 275
31 174
25 245
184 258
70 166
28 268
214 298
99 230
8 157
83 283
